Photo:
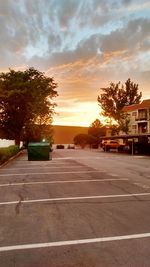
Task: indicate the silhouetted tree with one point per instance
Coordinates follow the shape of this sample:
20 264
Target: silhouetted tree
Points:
81 140
37 133
132 96
25 99
97 129
115 97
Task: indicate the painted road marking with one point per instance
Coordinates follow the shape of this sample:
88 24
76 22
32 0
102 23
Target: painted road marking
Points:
74 242
45 173
114 174
73 198
61 182
45 167
42 164
140 157
75 158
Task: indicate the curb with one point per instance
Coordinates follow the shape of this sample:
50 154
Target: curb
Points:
10 159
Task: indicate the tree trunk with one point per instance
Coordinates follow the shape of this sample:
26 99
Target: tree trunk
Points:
17 141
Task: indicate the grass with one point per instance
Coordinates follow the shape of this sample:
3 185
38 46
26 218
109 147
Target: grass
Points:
7 152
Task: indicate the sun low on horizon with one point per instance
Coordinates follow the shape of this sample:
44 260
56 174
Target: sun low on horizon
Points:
82 114
83 53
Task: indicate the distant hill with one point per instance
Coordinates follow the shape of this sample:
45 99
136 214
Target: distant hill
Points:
66 134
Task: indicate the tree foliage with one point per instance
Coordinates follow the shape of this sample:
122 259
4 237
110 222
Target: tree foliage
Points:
81 140
97 129
25 99
92 139
36 133
132 96
116 96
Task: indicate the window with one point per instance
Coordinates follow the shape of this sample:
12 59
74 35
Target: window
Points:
134 127
134 113
142 114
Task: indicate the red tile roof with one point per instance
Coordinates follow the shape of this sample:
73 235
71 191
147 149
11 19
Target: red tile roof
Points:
145 104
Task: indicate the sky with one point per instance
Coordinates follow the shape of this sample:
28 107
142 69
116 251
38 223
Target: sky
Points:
83 44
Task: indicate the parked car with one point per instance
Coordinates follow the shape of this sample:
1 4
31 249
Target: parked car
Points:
112 144
60 147
71 146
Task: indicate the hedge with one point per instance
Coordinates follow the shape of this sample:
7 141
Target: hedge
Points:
8 152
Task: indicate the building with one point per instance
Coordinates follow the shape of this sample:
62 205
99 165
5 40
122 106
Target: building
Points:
66 134
139 115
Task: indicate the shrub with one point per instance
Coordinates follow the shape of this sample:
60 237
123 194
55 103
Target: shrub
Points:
8 152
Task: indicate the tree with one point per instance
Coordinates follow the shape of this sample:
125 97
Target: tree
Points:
86 139
36 133
81 140
97 129
115 97
132 96
25 99
92 141
124 124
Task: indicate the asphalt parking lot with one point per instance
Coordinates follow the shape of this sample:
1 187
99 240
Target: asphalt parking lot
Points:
82 208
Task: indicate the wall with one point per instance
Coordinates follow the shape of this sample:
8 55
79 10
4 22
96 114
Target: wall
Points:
66 134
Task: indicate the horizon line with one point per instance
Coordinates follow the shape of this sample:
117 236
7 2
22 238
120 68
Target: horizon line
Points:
83 126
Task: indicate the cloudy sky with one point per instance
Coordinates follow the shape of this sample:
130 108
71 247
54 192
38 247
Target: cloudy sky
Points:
83 44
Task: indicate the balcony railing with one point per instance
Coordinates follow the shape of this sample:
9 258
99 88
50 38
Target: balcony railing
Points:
143 118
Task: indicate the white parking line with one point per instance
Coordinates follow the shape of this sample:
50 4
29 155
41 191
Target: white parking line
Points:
45 173
74 242
75 158
45 167
41 164
61 182
64 158
114 174
34 162
73 198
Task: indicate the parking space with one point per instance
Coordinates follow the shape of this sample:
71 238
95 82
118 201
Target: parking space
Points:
69 212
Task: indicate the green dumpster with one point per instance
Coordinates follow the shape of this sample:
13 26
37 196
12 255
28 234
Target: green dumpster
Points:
39 151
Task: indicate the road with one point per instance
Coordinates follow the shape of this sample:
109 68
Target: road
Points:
83 208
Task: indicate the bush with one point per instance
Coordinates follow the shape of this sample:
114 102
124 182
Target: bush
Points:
8 152
95 146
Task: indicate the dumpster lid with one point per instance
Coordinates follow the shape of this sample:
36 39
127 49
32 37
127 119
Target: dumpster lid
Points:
39 144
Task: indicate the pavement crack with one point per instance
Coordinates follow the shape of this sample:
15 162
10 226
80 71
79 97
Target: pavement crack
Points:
18 206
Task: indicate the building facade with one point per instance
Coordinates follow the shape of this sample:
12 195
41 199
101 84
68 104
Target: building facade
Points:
139 115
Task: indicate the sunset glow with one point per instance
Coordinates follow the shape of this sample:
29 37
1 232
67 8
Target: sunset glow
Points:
81 114
82 52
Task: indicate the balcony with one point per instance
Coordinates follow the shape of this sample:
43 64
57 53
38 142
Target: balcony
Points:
142 115
142 127
141 118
